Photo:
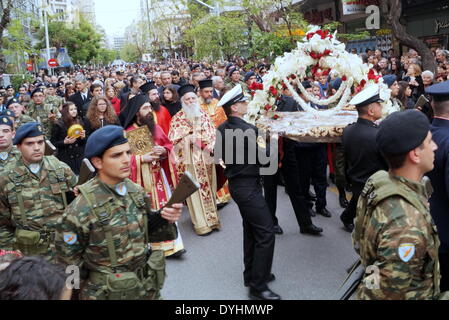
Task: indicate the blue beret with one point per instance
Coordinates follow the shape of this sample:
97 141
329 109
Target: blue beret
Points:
402 132
249 75
439 91
7 113
9 87
104 139
36 91
5 120
12 101
28 130
389 79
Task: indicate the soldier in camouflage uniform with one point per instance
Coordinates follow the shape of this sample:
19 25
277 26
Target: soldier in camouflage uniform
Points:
16 110
107 235
394 232
52 98
33 195
41 112
8 153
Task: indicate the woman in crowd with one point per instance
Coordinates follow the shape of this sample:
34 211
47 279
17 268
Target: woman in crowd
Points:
33 278
413 77
111 94
170 100
70 150
69 90
405 95
100 114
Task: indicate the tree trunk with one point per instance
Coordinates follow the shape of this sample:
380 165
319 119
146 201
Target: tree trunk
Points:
399 31
6 19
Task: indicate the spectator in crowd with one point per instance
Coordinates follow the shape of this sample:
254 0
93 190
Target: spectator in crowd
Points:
70 149
413 77
100 114
33 278
111 94
405 95
170 100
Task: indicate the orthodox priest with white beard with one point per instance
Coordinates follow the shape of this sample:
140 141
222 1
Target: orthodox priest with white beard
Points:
192 133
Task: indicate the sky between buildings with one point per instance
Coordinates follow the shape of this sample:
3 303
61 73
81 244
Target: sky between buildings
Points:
116 15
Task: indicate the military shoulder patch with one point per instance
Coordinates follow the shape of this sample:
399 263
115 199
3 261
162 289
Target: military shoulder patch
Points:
70 238
406 251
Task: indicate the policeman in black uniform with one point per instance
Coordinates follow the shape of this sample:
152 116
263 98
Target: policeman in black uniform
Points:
362 157
243 173
439 177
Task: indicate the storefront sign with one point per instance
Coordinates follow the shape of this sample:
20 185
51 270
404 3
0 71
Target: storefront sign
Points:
439 25
357 6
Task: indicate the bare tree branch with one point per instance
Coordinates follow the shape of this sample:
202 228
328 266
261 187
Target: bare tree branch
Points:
399 31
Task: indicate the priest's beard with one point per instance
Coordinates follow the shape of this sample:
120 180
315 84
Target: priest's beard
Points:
156 104
192 111
148 121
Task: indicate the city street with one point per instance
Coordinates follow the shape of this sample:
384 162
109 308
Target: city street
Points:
306 267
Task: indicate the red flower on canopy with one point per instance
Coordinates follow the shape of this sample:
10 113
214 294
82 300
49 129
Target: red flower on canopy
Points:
273 91
256 86
267 107
293 76
275 117
344 78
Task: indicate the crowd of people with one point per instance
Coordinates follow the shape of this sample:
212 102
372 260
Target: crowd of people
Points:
170 112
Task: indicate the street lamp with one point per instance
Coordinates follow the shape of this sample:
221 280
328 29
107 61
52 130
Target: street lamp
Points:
47 39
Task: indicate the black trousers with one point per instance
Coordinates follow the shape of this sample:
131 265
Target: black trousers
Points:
293 175
258 233
348 215
270 188
313 164
444 271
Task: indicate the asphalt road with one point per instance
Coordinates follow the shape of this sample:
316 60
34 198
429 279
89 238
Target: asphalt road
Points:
306 267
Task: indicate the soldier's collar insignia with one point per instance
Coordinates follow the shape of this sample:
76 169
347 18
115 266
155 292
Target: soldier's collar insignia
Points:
3 155
70 237
121 189
35 167
406 251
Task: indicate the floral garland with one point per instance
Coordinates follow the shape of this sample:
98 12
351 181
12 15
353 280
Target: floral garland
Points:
320 52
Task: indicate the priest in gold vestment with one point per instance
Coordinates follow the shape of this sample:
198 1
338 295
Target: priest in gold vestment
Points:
209 105
192 133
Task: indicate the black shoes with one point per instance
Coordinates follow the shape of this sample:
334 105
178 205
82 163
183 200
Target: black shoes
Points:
263 295
312 229
343 202
178 254
271 278
324 212
348 226
278 230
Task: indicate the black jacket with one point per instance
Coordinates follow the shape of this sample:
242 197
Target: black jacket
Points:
439 176
362 156
72 154
173 107
251 146
90 130
78 100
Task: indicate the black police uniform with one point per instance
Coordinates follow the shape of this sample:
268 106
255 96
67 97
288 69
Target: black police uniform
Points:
246 189
362 158
439 177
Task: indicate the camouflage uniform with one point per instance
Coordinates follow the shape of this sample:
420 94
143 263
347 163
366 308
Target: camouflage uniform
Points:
55 101
12 155
40 114
22 119
106 236
30 205
395 233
